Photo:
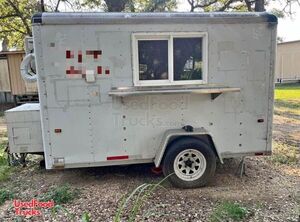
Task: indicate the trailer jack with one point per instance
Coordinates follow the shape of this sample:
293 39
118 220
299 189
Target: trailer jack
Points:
241 170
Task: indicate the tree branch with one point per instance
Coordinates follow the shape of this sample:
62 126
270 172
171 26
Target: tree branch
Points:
225 6
7 31
249 5
42 6
17 30
57 5
20 15
259 6
191 2
8 16
193 6
205 4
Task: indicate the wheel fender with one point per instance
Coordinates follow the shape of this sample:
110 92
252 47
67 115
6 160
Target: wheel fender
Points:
172 134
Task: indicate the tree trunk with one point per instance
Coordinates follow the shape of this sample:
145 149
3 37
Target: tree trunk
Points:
5 44
42 6
116 5
259 6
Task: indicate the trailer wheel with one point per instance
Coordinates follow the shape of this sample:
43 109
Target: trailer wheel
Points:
189 162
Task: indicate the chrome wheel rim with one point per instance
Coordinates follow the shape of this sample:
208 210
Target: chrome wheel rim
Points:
189 165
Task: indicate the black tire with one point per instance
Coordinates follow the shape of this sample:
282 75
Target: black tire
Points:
188 143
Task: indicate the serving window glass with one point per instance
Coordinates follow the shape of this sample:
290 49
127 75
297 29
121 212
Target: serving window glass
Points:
169 58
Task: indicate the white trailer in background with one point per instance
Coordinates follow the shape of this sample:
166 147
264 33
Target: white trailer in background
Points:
181 90
287 62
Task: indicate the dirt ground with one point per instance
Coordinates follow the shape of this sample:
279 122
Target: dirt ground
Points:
3 131
287 129
270 192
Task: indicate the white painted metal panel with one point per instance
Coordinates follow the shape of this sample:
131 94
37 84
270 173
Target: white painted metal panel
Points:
24 129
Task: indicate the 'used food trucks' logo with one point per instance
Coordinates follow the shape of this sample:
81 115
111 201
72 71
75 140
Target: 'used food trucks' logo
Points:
149 111
31 208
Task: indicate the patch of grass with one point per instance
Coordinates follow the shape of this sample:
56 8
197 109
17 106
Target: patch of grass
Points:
5 172
5 195
287 85
4 136
3 143
5 169
3 154
284 154
135 200
70 216
291 104
287 91
228 210
58 208
259 205
61 194
286 112
85 217
287 99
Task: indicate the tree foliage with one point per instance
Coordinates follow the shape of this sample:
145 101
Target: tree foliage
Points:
131 5
15 15
155 5
223 5
15 19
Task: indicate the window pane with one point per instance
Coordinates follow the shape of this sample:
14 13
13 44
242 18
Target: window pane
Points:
188 62
153 59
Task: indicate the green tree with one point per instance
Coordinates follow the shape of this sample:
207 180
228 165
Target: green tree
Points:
131 5
15 21
15 18
155 5
15 15
223 5
240 5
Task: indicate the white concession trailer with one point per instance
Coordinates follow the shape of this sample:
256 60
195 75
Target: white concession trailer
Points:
181 90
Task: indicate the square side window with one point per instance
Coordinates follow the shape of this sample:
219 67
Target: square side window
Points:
187 59
153 59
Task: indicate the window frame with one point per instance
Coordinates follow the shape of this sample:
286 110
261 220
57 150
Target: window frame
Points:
168 36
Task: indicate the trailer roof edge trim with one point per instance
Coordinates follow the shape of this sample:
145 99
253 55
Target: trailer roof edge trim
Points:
144 18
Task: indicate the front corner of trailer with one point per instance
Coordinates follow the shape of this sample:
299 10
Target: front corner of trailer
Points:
37 18
270 18
271 89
